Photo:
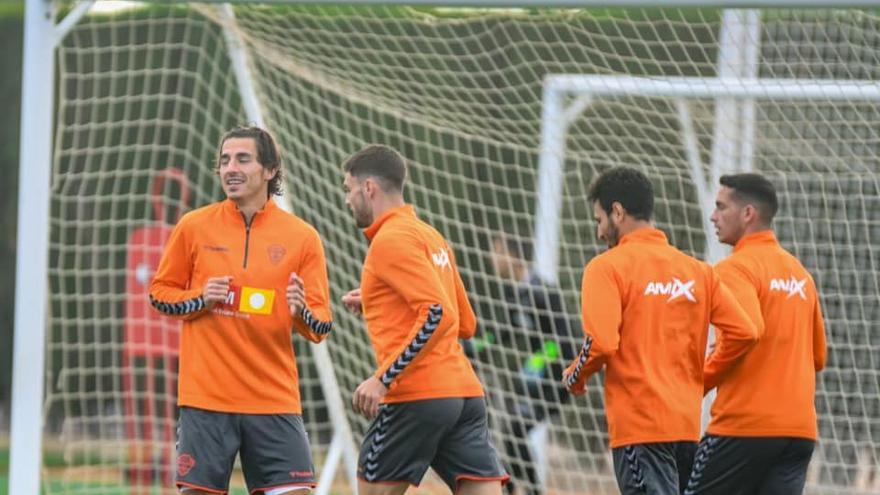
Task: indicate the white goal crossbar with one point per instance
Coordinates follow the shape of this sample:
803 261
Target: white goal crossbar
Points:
565 97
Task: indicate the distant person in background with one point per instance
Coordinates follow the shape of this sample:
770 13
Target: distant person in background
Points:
764 426
535 342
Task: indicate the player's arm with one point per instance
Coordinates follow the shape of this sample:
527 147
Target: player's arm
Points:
467 320
403 265
819 346
735 332
601 313
308 292
407 270
170 291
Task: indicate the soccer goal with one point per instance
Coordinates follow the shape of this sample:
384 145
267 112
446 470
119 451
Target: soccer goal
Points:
506 111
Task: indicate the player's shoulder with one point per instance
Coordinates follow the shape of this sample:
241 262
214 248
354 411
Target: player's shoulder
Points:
201 214
395 236
297 225
609 261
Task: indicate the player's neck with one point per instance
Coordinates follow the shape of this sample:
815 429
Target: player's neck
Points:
755 228
630 225
250 206
383 203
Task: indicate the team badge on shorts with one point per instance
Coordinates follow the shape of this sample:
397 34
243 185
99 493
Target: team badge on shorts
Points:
185 463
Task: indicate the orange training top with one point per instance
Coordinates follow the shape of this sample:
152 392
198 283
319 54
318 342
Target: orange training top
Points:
416 308
646 309
771 391
238 357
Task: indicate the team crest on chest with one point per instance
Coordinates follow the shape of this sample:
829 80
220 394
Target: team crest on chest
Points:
276 253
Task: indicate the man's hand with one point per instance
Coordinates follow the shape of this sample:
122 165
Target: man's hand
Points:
215 290
572 386
296 294
352 301
367 397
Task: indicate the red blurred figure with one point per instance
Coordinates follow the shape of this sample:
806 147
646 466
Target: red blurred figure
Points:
150 348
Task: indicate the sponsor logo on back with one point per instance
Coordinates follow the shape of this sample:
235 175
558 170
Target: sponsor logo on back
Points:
791 287
441 258
674 289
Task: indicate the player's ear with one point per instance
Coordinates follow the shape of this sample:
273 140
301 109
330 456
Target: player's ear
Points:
617 211
750 214
369 187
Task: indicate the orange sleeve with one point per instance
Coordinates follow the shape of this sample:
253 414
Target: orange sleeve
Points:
601 313
735 333
819 346
170 291
467 320
315 321
403 265
745 289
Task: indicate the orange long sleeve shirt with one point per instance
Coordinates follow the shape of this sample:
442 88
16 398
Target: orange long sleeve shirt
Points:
646 309
416 308
771 391
238 356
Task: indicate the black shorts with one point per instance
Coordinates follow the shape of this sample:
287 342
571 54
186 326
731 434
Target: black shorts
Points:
750 466
653 468
274 450
449 435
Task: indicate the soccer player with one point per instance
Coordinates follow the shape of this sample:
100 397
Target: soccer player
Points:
236 272
763 426
646 309
432 410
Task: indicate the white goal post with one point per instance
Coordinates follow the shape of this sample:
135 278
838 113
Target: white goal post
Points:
566 96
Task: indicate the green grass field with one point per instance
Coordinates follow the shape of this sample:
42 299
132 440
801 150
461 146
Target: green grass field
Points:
71 488
57 484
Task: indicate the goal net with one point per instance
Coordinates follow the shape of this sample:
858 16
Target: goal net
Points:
144 95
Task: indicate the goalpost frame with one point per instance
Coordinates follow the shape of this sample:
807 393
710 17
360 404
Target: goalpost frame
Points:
557 117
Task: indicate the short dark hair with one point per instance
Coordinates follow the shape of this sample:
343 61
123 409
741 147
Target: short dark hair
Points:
756 190
518 247
267 152
380 162
627 186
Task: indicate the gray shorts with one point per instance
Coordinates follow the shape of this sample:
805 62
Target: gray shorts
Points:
659 468
449 435
750 466
274 450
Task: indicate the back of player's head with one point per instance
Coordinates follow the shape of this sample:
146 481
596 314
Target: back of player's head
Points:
756 190
626 186
267 152
379 162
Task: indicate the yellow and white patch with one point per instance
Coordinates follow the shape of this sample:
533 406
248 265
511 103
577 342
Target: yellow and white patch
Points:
256 301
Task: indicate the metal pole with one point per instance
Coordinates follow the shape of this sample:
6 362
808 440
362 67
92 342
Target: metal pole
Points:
31 268
551 163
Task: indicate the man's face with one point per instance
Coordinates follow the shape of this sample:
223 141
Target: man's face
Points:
356 200
728 217
606 229
244 179
502 261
